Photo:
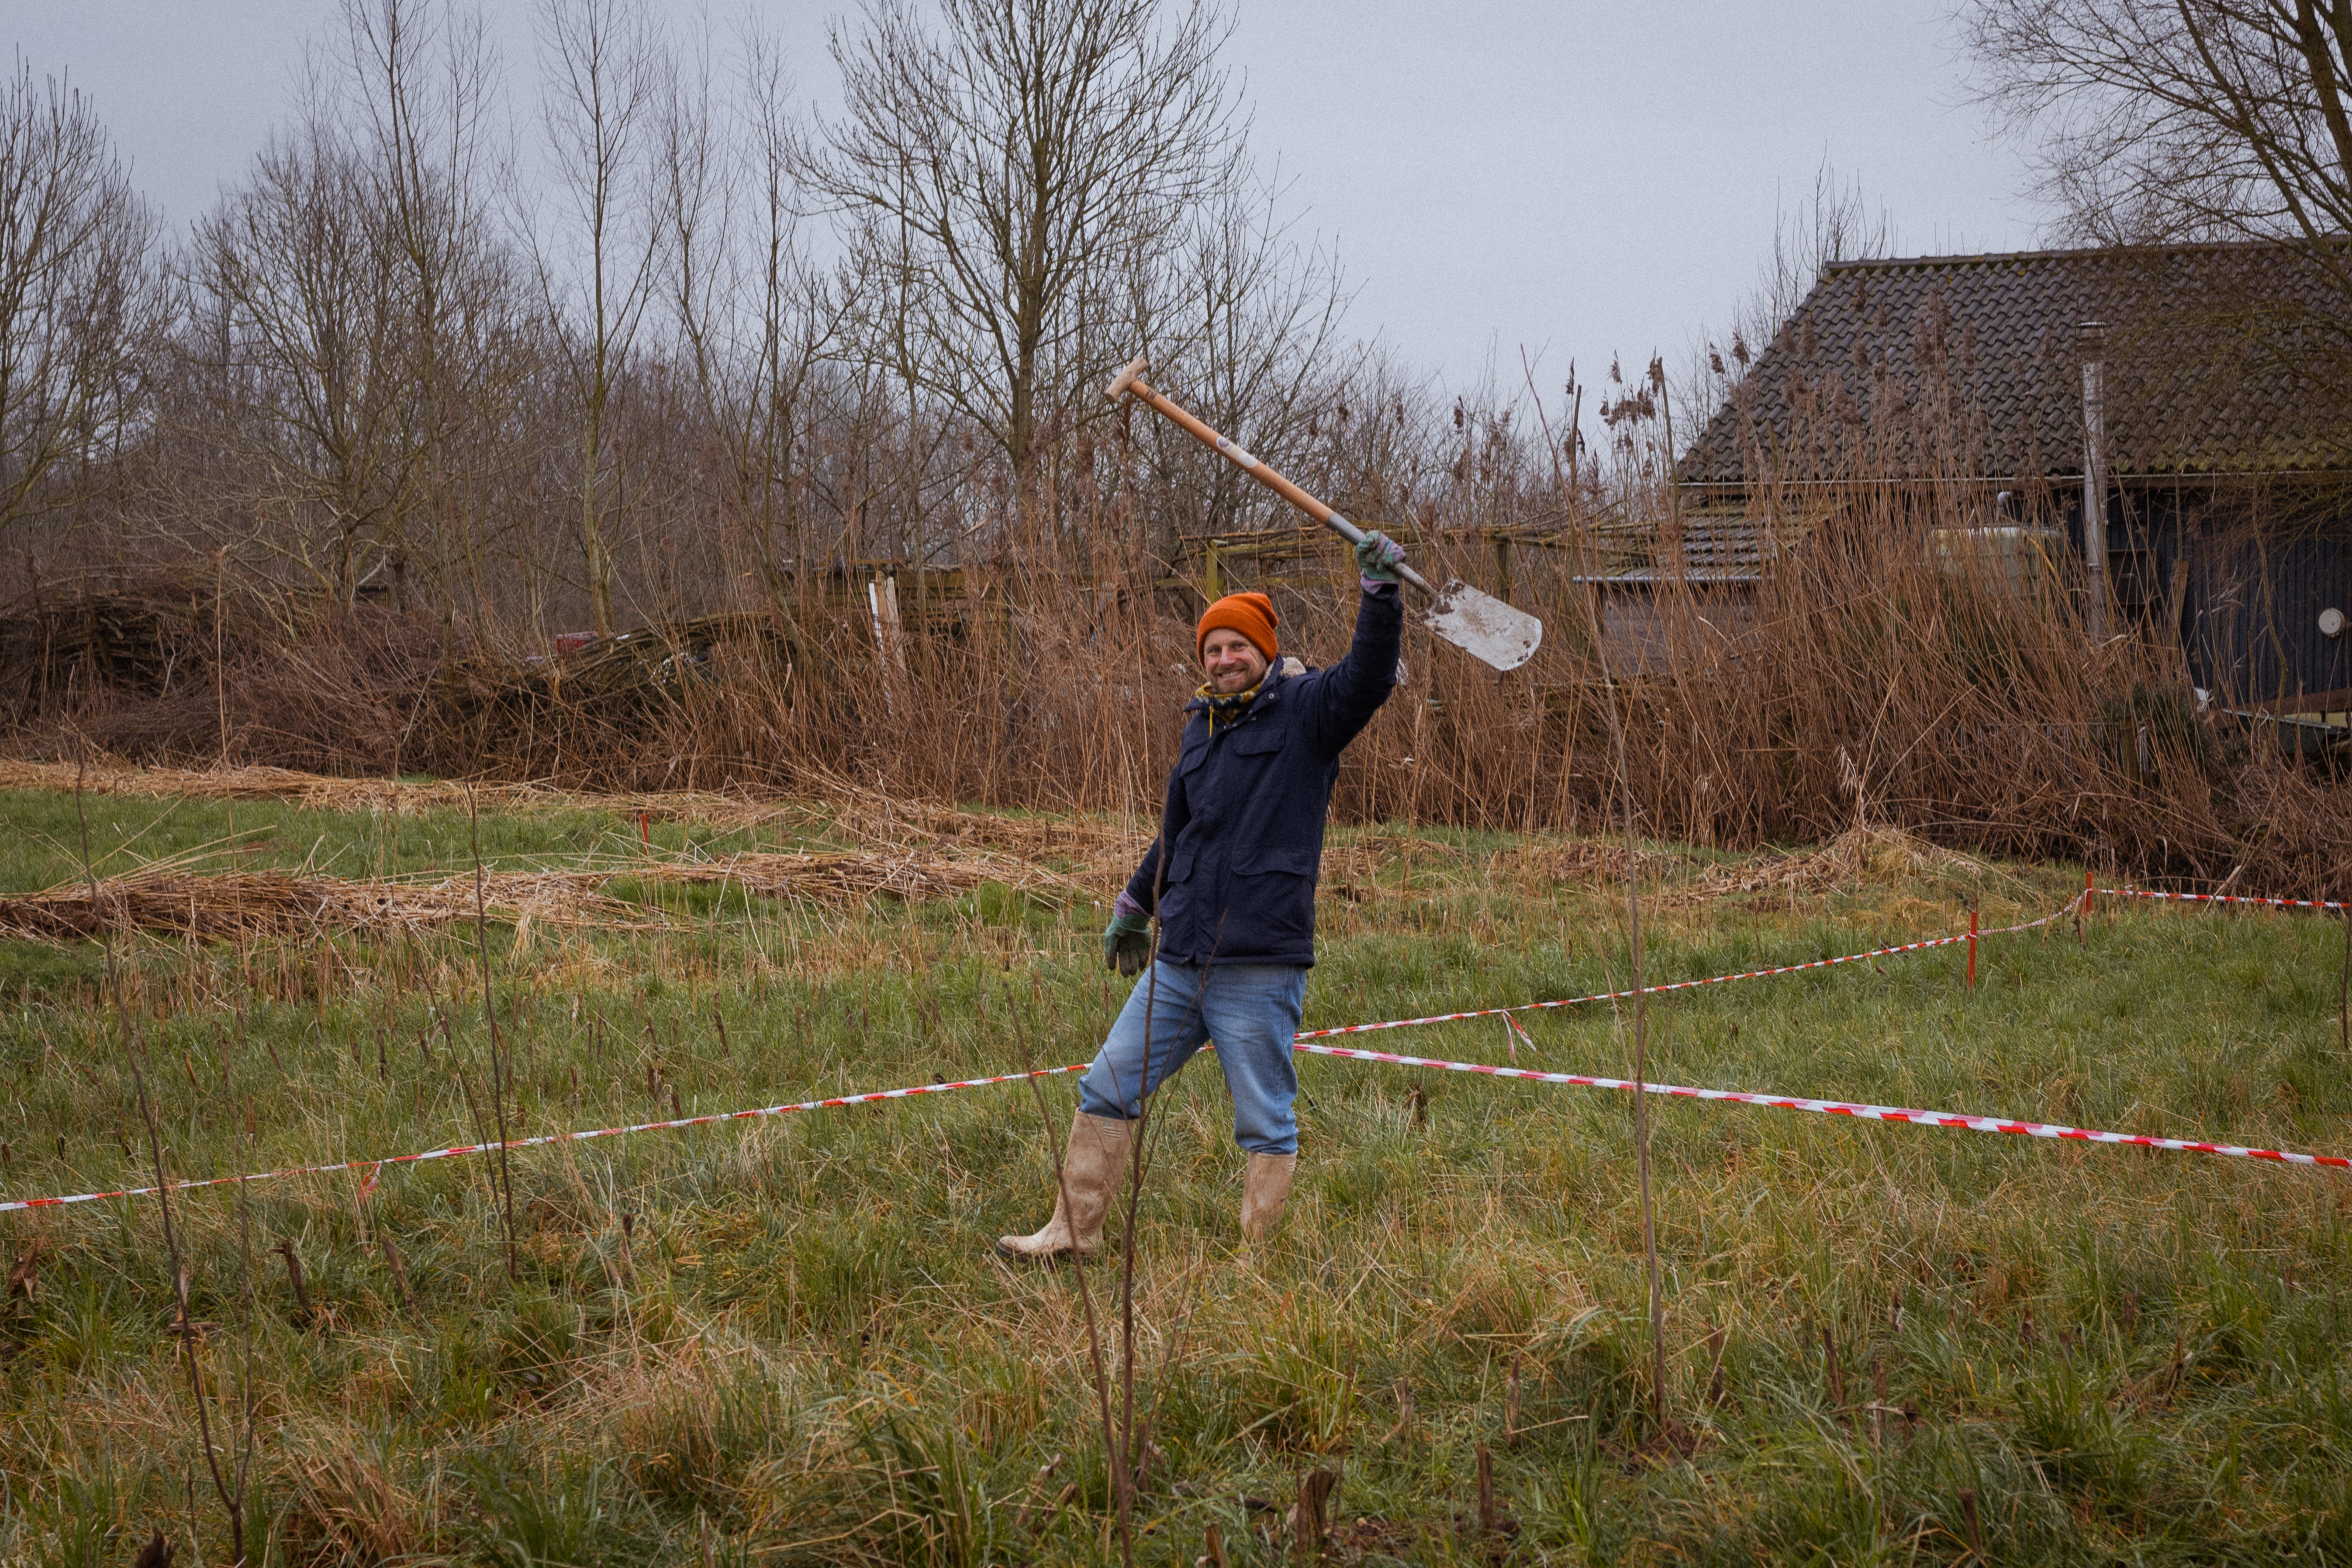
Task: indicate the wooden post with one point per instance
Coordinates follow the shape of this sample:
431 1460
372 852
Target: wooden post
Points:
1307 1520
399 1274
1503 569
894 629
1972 950
2091 339
294 1276
1212 580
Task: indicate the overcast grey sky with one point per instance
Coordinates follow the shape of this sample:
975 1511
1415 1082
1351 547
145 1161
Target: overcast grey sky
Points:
1576 178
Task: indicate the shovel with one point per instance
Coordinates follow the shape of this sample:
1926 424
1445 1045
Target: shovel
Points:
1478 624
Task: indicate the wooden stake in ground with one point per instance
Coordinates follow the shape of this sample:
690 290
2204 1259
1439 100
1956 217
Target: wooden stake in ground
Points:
399 1274
302 1308
1307 1515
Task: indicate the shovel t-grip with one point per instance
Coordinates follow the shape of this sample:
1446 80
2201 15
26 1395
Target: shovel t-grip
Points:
1478 624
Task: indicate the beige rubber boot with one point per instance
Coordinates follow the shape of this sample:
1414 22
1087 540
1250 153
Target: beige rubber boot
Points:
1092 1169
1264 1189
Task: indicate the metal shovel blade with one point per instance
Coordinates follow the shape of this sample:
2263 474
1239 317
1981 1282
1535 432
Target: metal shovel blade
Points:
1484 626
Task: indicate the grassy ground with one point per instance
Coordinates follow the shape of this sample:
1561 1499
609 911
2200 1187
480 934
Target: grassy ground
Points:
803 1350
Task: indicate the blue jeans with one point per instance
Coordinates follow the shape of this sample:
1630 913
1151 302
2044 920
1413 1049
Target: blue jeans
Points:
1250 1010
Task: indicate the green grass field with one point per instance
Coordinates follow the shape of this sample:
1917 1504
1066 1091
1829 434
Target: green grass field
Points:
804 1350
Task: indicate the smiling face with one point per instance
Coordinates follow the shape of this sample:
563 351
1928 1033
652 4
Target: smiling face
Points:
1232 660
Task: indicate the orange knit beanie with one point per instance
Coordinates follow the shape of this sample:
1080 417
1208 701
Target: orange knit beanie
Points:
1251 614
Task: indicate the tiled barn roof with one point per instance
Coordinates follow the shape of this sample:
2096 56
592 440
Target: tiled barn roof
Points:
1967 367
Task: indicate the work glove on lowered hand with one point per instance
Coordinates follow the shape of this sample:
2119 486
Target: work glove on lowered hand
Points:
1377 559
1127 944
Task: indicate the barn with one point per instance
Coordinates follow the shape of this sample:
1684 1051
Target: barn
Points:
2219 377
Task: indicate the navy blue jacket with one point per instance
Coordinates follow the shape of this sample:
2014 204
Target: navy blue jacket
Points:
1246 804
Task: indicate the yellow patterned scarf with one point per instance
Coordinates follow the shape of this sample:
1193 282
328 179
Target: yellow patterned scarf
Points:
1227 708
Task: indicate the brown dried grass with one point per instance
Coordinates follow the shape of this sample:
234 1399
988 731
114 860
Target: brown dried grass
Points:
244 906
1860 855
1587 863
323 792
852 876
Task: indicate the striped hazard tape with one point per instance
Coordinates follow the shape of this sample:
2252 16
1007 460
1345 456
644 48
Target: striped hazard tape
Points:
1855 1109
375 1167
1966 936
2221 898
1304 1042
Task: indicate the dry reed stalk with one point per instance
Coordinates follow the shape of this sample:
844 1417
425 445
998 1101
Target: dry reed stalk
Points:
1112 1448
501 1071
230 1489
1617 727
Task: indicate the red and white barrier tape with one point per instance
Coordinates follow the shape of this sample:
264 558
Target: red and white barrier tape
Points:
1689 984
373 1167
1300 1043
1843 1108
2221 898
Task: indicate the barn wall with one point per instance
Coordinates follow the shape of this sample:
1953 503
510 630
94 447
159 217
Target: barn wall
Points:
1642 624
2253 618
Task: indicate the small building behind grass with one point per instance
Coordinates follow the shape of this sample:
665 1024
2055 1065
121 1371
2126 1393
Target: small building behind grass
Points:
1948 393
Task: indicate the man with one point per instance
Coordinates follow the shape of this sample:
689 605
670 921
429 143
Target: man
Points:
1232 877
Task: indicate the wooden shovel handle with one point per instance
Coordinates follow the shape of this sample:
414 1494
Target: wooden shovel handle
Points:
1129 383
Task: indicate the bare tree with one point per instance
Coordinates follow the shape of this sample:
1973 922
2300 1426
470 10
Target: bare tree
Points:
990 168
603 71
359 313
1241 316
297 304
422 81
80 297
753 317
2159 121
1835 221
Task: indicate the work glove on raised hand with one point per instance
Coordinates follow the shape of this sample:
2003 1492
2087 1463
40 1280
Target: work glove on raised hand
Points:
1127 944
1377 559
